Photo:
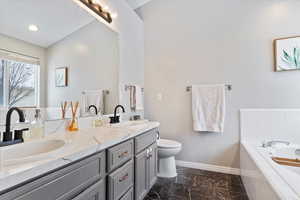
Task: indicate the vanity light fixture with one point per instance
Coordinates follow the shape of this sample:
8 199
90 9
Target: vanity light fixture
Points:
114 15
106 8
33 28
95 9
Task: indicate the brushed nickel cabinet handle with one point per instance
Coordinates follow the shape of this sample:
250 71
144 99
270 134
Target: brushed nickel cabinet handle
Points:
123 178
123 154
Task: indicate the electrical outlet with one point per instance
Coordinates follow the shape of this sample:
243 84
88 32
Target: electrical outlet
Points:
159 96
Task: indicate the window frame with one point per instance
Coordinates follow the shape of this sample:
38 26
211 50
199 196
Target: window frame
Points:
6 77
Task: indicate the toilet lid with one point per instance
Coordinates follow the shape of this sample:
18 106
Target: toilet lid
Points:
163 143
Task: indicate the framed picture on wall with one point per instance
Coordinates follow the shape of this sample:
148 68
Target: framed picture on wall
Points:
61 77
287 54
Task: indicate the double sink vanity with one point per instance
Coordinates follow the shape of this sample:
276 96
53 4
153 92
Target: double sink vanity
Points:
113 162
71 58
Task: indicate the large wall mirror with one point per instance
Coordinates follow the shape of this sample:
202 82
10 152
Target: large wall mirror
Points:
54 51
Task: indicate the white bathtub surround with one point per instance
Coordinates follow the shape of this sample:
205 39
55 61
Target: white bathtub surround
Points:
167 150
291 175
208 107
77 145
208 167
262 177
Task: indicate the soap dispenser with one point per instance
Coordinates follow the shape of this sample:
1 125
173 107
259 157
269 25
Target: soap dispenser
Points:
37 126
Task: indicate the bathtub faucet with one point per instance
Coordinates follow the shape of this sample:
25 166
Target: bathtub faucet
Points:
274 142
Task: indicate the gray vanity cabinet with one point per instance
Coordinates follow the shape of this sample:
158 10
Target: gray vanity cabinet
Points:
125 171
119 154
152 162
141 186
129 195
145 171
68 183
120 181
94 192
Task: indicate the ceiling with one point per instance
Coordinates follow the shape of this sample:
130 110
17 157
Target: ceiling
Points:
137 3
55 18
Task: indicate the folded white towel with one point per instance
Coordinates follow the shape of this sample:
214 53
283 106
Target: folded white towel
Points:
139 105
92 97
208 107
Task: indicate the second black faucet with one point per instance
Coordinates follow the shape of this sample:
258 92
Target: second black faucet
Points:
116 119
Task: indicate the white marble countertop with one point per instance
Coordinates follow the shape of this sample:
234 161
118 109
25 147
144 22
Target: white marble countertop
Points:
79 144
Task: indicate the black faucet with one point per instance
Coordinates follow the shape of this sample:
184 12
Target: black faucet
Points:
93 106
7 135
116 119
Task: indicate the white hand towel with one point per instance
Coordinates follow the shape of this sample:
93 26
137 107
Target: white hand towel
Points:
138 98
92 97
208 107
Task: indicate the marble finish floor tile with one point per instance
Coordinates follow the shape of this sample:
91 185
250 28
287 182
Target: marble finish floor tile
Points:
194 184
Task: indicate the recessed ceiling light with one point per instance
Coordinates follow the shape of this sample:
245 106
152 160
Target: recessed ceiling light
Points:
33 27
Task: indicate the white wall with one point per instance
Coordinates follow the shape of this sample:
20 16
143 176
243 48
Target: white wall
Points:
130 29
131 50
92 57
194 42
19 46
258 125
131 43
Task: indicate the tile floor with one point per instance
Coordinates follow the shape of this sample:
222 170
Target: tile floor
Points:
194 184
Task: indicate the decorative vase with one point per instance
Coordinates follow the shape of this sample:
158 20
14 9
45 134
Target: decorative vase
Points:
73 125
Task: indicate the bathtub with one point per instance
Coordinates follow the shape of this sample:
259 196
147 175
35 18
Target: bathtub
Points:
263 178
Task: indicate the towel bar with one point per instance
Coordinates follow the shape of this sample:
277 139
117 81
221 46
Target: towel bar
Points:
127 87
228 87
104 91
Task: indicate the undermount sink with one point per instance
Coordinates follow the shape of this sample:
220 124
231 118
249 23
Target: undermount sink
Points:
128 124
30 151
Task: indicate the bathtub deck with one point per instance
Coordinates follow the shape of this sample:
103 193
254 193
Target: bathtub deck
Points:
194 184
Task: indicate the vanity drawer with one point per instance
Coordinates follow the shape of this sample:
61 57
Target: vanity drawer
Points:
94 192
145 140
128 195
120 181
63 184
119 154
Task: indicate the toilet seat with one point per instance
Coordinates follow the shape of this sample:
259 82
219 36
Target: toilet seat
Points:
168 144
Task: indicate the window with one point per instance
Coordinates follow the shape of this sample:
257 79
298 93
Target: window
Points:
18 80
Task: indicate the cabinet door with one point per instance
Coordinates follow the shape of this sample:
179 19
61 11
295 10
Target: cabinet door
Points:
120 181
141 169
128 196
152 163
94 192
63 184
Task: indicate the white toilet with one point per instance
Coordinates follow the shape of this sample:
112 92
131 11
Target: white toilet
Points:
167 149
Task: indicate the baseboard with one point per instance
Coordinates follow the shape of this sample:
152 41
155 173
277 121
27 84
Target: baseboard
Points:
208 167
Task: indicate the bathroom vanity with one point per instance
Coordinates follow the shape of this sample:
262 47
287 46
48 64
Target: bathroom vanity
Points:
70 56
122 171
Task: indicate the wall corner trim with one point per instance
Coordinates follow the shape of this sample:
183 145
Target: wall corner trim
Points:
208 167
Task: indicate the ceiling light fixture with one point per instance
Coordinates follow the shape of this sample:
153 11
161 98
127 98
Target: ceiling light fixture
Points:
94 7
33 28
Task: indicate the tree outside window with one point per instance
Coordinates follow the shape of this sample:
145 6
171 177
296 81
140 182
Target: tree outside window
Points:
18 83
